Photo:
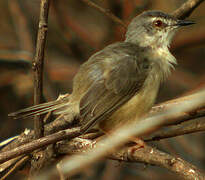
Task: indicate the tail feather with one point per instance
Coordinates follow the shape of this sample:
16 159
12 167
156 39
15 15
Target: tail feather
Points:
40 108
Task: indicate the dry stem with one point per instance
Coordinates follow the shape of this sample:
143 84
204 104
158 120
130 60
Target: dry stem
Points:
38 65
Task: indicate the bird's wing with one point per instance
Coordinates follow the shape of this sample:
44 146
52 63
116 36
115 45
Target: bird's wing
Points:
115 86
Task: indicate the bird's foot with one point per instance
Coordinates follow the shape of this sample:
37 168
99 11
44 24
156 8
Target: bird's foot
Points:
136 143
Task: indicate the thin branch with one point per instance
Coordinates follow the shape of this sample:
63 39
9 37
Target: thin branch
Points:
181 117
60 173
186 9
153 156
106 12
146 154
16 167
28 135
38 143
38 64
4 167
193 126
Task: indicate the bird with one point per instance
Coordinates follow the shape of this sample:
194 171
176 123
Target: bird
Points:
119 84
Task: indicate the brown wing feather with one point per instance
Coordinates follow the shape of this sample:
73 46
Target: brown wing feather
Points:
116 86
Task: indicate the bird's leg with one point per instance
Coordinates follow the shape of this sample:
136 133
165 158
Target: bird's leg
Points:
136 143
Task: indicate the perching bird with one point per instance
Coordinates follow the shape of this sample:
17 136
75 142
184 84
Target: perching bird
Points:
119 84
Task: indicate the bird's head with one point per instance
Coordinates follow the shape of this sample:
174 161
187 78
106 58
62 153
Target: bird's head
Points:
154 28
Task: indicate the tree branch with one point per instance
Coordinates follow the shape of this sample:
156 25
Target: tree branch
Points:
106 12
193 126
38 63
16 167
186 9
181 117
38 143
147 154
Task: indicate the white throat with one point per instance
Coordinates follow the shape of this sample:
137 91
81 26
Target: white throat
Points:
163 62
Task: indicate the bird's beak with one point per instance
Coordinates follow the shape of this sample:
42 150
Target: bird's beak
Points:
184 23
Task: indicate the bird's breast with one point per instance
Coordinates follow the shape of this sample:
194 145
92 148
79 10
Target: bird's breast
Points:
134 109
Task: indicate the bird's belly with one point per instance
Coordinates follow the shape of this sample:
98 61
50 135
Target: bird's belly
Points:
131 111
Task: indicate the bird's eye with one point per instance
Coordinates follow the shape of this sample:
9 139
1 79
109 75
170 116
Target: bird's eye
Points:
158 23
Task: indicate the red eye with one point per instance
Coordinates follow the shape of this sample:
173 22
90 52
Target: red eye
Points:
158 23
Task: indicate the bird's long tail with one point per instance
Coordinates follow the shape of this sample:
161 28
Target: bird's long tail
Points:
39 109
